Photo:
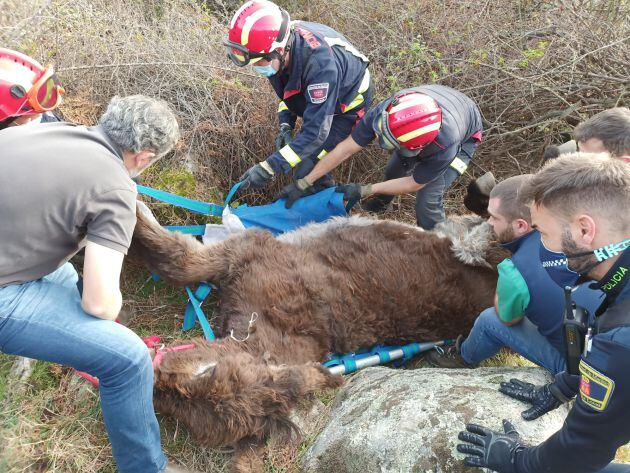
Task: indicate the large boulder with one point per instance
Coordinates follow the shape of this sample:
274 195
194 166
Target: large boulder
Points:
387 420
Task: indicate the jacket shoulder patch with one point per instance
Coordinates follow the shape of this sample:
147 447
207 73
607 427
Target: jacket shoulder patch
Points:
596 389
318 93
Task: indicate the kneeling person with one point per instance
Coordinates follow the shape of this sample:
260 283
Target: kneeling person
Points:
528 312
432 132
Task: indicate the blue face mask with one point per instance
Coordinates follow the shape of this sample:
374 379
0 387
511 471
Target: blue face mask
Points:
265 71
556 265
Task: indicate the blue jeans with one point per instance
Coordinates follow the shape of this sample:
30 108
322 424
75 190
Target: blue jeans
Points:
489 335
43 319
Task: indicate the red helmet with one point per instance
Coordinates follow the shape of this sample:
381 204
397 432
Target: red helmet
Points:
412 120
26 88
257 29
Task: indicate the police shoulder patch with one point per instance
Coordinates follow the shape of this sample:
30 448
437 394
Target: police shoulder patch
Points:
596 389
318 93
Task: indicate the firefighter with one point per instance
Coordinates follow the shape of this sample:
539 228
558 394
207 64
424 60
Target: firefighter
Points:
432 132
318 76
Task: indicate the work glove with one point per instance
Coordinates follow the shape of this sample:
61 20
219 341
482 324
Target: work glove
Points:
542 398
478 194
285 136
294 191
488 449
256 177
354 192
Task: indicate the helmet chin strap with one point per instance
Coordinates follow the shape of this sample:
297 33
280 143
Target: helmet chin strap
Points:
287 49
5 123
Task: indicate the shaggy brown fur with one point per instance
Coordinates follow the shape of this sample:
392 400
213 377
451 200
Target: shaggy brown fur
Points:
326 288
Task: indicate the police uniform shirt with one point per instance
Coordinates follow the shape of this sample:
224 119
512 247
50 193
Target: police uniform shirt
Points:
599 421
460 121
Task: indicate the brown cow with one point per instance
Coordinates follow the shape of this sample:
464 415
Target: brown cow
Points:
287 302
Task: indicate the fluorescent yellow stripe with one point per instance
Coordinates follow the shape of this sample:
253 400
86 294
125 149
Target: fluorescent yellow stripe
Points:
267 167
420 131
290 156
249 23
358 100
282 106
459 165
322 154
408 101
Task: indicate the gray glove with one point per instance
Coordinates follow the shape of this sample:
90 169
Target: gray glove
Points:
285 136
354 192
256 177
295 191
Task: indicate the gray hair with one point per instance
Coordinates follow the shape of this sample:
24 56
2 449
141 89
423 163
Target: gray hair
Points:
138 123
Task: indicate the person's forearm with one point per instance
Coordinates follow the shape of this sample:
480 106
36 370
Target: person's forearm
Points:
403 185
107 309
342 151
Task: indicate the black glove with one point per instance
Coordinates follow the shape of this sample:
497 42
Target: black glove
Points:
255 177
354 192
285 136
494 450
542 398
294 191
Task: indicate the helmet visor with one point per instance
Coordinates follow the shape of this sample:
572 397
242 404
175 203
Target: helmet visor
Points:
240 55
45 95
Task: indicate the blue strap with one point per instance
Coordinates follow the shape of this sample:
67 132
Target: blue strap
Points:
203 291
383 356
197 230
410 351
231 193
184 202
350 364
196 304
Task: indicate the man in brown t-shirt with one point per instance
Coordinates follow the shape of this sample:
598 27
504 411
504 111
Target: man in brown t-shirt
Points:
64 187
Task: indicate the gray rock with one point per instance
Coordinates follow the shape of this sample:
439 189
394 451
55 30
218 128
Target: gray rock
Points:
387 420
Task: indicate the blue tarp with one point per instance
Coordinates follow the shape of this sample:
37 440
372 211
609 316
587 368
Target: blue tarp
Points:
278 219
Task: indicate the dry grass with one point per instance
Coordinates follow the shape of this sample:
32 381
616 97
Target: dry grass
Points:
536 68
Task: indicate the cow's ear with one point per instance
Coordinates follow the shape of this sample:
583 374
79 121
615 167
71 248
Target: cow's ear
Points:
478 194
205 369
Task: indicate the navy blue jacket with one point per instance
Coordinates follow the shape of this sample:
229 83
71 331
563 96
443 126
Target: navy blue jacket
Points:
323 78
460 121
599 421
546 304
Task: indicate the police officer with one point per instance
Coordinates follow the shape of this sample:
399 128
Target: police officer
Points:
432 131
317 74
528 314
29 92
580 206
